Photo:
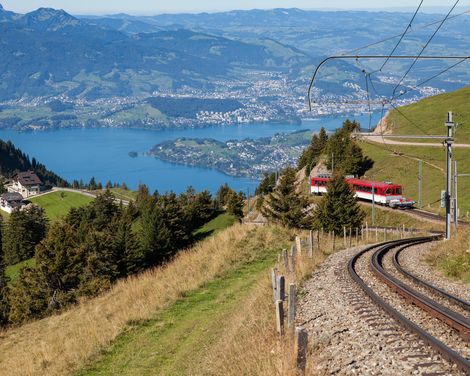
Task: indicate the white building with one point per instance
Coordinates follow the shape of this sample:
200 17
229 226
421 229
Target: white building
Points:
26 183
10 201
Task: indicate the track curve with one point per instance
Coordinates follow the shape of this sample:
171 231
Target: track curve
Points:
382 248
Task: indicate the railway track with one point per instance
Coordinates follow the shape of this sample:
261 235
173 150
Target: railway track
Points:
454 344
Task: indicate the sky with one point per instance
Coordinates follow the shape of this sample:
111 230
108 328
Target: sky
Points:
151 7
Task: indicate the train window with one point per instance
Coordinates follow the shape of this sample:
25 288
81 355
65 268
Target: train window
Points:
398 191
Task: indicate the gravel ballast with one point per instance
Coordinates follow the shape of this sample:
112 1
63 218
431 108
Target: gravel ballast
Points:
350 335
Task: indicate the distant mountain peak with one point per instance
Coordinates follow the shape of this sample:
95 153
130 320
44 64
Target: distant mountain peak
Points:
50 19
1 7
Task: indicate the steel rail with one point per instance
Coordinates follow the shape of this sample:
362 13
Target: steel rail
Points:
450 317
460 302
448 353
357 57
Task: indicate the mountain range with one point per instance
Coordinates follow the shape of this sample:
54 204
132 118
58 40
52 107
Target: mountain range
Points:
103 70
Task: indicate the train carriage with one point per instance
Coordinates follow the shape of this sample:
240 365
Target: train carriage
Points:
384 193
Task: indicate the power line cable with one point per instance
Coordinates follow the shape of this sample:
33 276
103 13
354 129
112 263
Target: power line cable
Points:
402 36
424 48
414 88
399 35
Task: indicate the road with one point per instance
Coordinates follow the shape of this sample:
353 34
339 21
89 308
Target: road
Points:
384 140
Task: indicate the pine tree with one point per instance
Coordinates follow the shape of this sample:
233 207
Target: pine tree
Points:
338 208
287 207
127 246
235 204
223 194
92 184
267 184
311 154
347 155
25 229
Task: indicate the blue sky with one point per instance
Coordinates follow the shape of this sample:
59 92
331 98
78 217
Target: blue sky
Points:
151 7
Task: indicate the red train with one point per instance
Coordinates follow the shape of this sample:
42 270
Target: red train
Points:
384 193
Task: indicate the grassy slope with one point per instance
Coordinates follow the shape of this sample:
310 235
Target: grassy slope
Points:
404 170
427 116
452 257
71 339
176 341
221 222
56 206
431 113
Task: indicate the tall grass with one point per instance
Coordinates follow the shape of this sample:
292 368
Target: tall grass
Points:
452 257
61 344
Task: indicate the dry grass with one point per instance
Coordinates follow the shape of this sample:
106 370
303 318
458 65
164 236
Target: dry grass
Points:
62 344
452 257
251 345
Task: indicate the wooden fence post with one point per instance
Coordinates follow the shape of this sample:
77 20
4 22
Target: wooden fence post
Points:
298 245
350 237
286 260
334 241
362 233
318 240
376 234
280 317
274 283
344 237
291 309
310 244
300 348
280 288
357 236
293 250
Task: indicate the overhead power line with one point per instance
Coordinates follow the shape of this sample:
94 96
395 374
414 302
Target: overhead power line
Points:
424 48
356 57
392 37
402 36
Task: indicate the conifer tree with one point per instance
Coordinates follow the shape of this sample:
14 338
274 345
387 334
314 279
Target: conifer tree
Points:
287 207
25 229
347 155
223 194
235 204
311 154
338 208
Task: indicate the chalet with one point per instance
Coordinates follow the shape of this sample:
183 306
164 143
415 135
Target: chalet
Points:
26 183
10 201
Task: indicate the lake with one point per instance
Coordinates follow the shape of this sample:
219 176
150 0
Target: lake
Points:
103 153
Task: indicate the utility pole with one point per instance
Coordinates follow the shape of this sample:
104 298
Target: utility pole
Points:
373 204
420 184
449 141
456 207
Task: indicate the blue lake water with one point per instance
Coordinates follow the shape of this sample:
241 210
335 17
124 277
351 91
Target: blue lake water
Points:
103 153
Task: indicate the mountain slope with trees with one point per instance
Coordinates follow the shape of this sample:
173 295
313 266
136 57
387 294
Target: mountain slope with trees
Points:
13 160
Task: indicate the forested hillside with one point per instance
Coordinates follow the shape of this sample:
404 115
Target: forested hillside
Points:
13 160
